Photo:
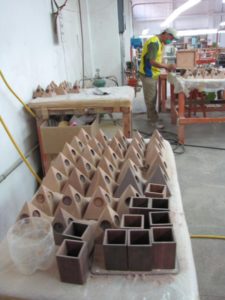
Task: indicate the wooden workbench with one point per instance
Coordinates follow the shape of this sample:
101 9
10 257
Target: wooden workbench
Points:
116 99
182 87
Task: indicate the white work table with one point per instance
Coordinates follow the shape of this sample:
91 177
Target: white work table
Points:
114 100
47 285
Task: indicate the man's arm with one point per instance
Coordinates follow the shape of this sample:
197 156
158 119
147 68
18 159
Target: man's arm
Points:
152 50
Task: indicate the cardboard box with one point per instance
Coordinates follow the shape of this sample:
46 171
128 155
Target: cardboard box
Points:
54 138
186 59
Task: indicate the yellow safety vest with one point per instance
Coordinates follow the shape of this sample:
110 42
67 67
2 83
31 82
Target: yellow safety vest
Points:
145 66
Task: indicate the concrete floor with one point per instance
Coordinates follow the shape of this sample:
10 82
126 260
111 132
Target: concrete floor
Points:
201 174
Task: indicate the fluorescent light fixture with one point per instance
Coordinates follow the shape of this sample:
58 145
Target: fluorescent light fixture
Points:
178 11
223 1
146 36
195 32
145 31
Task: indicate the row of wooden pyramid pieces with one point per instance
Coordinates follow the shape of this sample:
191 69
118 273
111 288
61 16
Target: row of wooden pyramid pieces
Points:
60 209
90 208
116 149
86 185
53 89
89 163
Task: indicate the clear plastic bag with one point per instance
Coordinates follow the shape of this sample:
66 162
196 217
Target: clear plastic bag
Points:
31 244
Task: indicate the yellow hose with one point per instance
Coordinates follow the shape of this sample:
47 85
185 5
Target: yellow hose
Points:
207 236
21 101
19 151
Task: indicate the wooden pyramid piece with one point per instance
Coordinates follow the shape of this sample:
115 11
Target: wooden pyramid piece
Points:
137 136
133 154
54 180
108 219
102 138
130 178
124 200
96 145
79 181
90 155
117 147
158 176
61 220
77 144
73 202
29 210
121 138
157 160
112 157
138 146
46 200
102 179
84 136
126 165
85 166
70 153
108 167
97 203
63 164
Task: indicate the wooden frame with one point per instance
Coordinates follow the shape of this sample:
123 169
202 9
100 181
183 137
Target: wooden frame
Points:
179 117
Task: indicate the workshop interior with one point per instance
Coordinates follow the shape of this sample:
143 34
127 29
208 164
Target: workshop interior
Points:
112 149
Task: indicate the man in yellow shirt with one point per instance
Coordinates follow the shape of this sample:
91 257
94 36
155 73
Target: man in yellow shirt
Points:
151 63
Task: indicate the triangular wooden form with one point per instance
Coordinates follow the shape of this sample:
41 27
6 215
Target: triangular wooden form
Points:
71 153
123 203
117 147
126 165
137 136
79 181
63 164
73 202
54 180
108 219
90 155
138 146
29 210
84 136
130 178
46 200
112 157
156 160
108 167
77 144
96 145
97 203
61 220
160 177
102 179
133 154
85 166
102 138
121 138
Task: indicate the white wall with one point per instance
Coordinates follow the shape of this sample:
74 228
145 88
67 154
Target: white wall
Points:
29 57
104 37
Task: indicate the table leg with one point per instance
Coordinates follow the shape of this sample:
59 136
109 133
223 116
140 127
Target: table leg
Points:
172 105
163 94
127 122
181 108
159 94
45 162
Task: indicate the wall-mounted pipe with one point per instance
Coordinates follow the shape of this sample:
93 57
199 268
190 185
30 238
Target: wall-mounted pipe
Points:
16 164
